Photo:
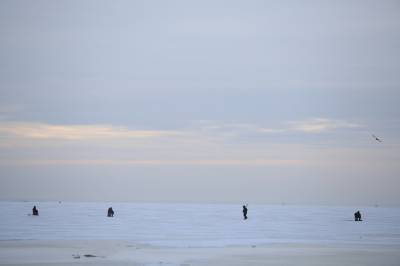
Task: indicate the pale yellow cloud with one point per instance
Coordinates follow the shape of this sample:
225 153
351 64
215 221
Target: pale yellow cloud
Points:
318 125
76 132
30 130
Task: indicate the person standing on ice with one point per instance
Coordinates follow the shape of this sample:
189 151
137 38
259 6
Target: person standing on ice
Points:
110 212
35 211
244 212
357 216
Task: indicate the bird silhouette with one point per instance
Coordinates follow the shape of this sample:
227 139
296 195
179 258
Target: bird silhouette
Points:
376 138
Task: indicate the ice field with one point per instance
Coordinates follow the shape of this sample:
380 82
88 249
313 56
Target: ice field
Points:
199 225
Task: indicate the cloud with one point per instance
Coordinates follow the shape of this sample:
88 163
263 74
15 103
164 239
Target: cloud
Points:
164 162
222 129
271 130
319 125
76 132
210 143
202 129
314 125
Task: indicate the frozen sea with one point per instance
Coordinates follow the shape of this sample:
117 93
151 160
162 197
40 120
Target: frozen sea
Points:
199 225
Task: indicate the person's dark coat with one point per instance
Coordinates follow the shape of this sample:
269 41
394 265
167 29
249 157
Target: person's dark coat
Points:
35 211
245 212
110 212
357 216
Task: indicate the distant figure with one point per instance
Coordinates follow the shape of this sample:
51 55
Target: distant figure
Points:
110 212
245 212
357 216
376 138
35 211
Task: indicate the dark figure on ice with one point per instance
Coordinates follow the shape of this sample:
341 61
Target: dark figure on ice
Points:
35 211
357 216
110 212
245 212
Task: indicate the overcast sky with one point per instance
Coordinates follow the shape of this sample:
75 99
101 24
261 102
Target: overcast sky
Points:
200 101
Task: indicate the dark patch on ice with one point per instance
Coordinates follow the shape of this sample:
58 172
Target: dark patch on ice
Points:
77 256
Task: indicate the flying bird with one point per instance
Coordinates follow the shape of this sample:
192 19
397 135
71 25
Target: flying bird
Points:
376 138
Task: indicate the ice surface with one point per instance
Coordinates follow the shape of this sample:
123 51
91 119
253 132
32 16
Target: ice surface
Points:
198 225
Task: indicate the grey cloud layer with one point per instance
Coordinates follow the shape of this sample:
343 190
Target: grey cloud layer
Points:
207 95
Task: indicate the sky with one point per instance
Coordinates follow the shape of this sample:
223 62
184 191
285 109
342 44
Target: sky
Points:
200 101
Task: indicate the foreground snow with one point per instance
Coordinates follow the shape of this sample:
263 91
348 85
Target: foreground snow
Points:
190 225
188 234
123 252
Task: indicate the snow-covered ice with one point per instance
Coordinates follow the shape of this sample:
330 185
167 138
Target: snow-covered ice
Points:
198 225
